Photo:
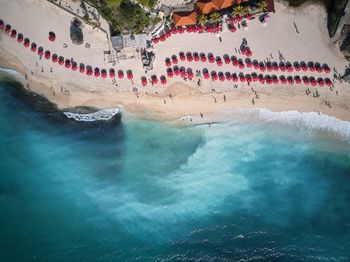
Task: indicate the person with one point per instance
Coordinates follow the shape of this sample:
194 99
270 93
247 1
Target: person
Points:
224 98
201 115
253 102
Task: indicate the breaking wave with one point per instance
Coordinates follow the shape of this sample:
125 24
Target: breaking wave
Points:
101 115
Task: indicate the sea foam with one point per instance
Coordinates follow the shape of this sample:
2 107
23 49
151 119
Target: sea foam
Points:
101 115
308 121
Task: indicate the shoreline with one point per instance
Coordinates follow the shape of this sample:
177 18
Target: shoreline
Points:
179 98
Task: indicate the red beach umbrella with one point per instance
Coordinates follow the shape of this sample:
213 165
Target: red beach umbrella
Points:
203 58
255 77
67 64
155 40
211 59
233 29
20 38
74 66
174 30
168 34
111 73
290 68
47 54
313 82
183 73
174 60
33 47
227 60
163 80
40 51
206 75
249 64
249 78
13 33
327 69
312 68
89 71
321 83
228 76
234 77
283 80
306 80
176 71
219 62
26 42
249 53
319 69
290 80
82 68
1 24
221 76
235 62
162 38
214 76
120 74
190 75
143 81
238 19
8 29
130 75
241 65
52 36
154 79
261 79
167 62
97 72
242 78
182 57
189 57
61 60
297 80
283 68
304 68
103 73
196 57
328 82
54 58
170 73
262 68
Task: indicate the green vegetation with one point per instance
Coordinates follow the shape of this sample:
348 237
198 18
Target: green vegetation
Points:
148 3
240 10
202 20
262 5
335 9
124 15
215 17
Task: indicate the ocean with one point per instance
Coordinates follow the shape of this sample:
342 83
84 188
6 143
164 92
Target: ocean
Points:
273 189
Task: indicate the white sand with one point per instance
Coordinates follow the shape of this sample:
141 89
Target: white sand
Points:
36 18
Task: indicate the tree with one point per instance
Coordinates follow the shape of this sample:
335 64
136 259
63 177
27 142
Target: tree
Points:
262 5
240 10
215 17
202 20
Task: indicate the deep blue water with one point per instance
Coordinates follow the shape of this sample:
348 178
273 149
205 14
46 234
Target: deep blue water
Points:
249 191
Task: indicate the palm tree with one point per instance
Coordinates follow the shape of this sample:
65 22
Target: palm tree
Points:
262 5
215 17
240 10
202 20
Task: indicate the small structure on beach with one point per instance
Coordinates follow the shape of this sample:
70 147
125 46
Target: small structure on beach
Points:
185 18
120 42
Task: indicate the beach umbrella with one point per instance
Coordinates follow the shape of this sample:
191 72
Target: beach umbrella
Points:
120 74
168 34
1 24
163 80
206 75
82 68
319 69
26 42
275 66
221 76
97 72
174 30
244 51
40 51
129 75
214 76
154 80
52 36
248 77
176 71
155 40
196 57
306 80
249 63
89 71
312 68
313 81
268 80
249 53
143 81
47 54
61 60
283 68
249 16
327 69
111 73
261 79
328 82
182 56
189 57
321 82
170 72
13 33
219 61
174 59
234 77
8 29
235 62
183 73
162 38
181 30
233 29
238 19
20 38
297 80
241 65
290 68
211 59
283 80
167 62
203 58
227 59
262 68
290 80
228 76
242 78
255 77
54 58
275 80
75 66
103 73
67 63
190 74
33 47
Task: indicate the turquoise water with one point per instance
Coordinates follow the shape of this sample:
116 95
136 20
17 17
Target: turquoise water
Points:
255 191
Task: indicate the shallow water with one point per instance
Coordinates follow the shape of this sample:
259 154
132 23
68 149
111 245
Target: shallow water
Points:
144 190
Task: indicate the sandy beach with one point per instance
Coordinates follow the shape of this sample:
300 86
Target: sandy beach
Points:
178 98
